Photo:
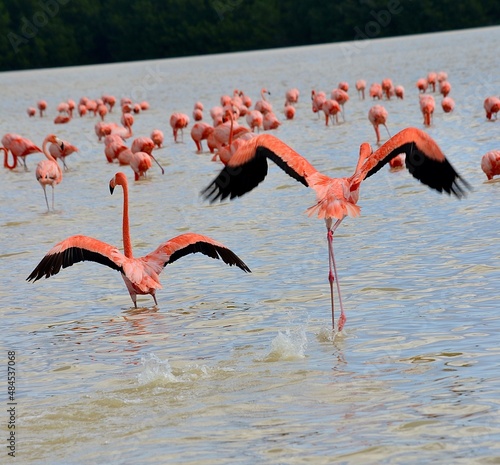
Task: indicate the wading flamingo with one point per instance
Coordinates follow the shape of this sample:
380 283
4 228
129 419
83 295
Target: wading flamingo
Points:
20 147
336 197
377 116
178 121
447 104
58 150
157 137
141 275
360 87
491 106
48 172
42 106
427 104
490 163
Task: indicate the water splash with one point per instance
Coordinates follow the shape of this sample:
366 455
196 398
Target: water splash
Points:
156 370
290 345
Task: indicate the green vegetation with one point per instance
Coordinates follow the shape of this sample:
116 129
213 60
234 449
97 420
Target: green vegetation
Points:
48 33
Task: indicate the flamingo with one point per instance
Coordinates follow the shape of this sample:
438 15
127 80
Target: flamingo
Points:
42 106
270 121
376 91
62 119
490 163
141 275
289 111
360 87
19 146
336 197
431 79
200 131
444 88
331 108
292 96
255 119
263 105
342 97
178 121
377 116
491 106
157 137
144 105
447 104
139 163
31 111
400 92
317 100
61 150
109 100
48 172
422 85
427 105
343 85
387 87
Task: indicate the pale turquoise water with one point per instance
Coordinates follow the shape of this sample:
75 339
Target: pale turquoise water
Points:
235 368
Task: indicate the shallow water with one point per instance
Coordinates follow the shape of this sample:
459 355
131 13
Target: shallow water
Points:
243 368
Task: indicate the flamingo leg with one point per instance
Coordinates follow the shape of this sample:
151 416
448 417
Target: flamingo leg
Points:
45 194
333 277
52 197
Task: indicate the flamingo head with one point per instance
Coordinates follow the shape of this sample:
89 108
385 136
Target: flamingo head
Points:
55 140
119 179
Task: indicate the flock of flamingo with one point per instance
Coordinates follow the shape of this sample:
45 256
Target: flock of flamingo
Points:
243 150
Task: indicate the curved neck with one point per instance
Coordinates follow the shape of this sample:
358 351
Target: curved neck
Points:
6 159
127 241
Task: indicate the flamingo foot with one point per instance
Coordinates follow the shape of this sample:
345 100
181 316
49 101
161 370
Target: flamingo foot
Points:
341 322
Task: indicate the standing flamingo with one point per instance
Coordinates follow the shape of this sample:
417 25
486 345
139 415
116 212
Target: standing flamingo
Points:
31 111
292 96
331 108
255 119
491 106
400 92
42 106
447 104
376 91
200 131
342 97
427 104
20 147
377 116
157 137
48 172
178 121
336 197
387 87
62 150
141 275
263 105
490 163
360 87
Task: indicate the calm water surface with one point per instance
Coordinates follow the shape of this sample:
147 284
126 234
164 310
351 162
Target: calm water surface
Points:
243 368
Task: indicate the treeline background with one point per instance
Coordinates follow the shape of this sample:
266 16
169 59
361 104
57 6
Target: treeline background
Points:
49 33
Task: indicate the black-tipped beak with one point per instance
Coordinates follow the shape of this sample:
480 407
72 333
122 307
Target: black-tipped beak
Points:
111 189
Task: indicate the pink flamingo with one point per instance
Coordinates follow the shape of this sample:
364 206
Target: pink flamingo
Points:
343 85
71 107
377 116
42 106
48 172
292 96
400 92
342 97
62 119
199 132
102 110
61 150
255 120
270 121
360 87
491 106
141 275
109 100
447 104
431 79
422 85
144 105
336 197
490 164
331 108
263 105
387 87
444 88
124 131
31 111
289 111
427 105
157 137
143 145
20 147
113 147
376 91
178 121
317 100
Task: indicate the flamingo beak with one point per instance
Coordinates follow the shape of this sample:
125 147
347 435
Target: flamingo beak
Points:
111 188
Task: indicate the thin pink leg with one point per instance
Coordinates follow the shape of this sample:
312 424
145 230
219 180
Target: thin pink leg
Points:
332 276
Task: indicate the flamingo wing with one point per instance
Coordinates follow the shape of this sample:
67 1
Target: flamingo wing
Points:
424 160
76 249
247 168
188 243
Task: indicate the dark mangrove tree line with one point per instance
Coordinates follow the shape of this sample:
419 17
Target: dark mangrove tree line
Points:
48 33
